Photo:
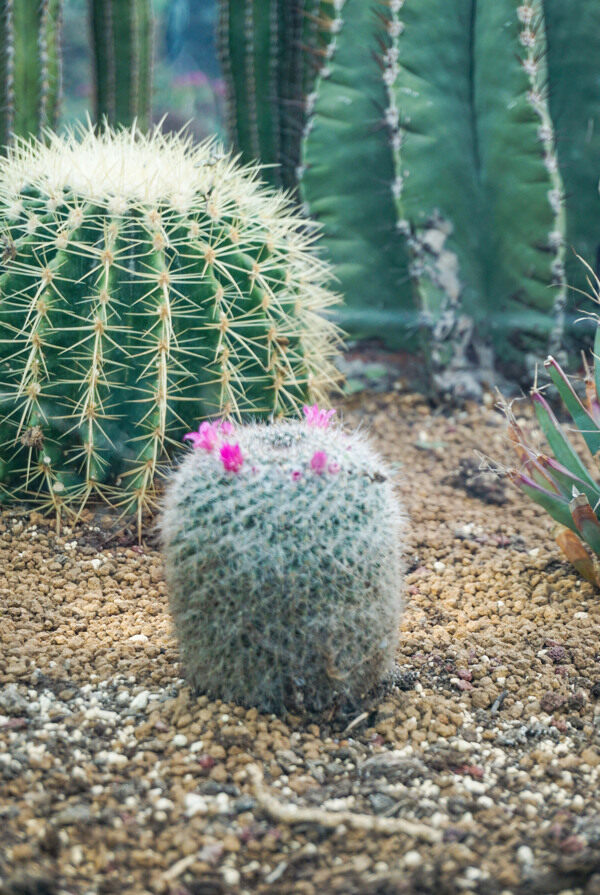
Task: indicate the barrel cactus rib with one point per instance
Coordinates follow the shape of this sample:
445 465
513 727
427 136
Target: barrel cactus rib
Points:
468 146
347 178
146 284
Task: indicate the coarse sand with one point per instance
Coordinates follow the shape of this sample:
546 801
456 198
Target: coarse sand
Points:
475 769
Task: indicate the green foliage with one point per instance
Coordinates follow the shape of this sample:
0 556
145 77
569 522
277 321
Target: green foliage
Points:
30 82
146 284
561 483
346 184
123 45
285 582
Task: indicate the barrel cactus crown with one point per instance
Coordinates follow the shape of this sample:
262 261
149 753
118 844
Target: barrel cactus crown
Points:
282 549
146 283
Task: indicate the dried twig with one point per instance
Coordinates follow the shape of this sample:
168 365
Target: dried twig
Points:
294 814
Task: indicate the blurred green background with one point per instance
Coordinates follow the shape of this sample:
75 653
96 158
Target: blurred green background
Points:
188 88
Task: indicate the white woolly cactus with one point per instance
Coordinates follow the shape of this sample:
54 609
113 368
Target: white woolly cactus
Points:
283 560
146 283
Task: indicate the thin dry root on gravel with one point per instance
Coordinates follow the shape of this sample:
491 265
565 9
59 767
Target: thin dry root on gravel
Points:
294 814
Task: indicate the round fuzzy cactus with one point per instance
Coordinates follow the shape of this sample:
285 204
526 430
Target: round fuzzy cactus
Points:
146 283
283 559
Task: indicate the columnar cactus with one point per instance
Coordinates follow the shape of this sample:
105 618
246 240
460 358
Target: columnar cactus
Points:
282 549
270 53
474 129
573 90
122 43
30 67
345 181
470 144
146 284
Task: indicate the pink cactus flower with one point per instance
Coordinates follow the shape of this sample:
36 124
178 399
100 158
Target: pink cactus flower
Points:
313 416
194 78
231 457
206 437
296 475
318 462
333 468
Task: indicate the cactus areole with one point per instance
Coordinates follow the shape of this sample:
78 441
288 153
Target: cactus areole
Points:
145 284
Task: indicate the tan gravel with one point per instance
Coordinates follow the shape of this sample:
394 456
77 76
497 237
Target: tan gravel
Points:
114 778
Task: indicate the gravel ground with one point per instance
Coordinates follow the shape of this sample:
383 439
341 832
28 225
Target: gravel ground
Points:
475 769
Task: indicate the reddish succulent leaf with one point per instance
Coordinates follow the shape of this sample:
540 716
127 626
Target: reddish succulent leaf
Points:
576 553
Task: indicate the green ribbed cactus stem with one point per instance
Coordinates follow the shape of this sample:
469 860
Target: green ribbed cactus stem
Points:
30 67
478 190
146 284
282 548
346 183
270 53
122 36
573 40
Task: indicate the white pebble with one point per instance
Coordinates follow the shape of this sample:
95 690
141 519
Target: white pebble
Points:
412 859
179 740
197 746
194 804
474 786
222 802
112 759
140 702
524 855
231 876
164 805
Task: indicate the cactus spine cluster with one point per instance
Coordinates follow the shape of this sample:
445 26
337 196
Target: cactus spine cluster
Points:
30 67
146 283
122 43
282 553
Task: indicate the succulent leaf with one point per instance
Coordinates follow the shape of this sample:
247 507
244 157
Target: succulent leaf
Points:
581 417
562 485
561 446
577 555
586 521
